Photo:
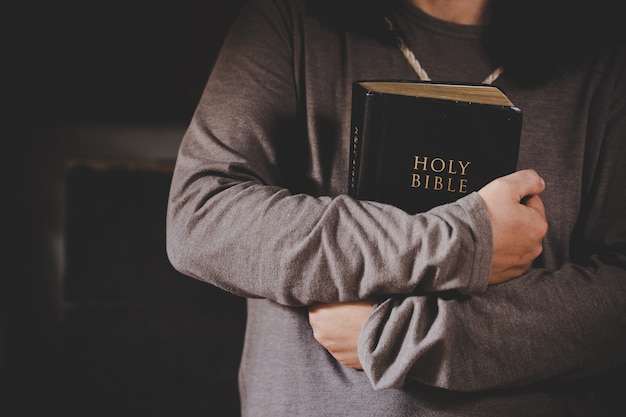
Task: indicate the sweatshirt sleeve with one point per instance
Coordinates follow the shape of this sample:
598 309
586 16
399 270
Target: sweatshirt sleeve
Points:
236 220
561 323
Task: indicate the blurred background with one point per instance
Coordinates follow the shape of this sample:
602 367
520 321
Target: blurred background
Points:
94 320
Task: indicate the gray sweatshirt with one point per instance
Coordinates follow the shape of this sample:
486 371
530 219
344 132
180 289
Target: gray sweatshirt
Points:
258 207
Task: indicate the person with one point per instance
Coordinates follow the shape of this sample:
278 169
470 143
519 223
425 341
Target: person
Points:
510 301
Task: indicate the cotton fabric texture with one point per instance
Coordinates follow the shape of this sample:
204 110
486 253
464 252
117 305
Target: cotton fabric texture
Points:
258 207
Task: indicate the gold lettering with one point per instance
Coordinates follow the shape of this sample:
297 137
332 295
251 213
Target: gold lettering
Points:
450 189
415 182
438 183
463 166
451 171
418 162
438 164
441 167
463 185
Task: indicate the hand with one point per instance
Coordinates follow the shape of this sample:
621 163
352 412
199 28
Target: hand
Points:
518 221
337 327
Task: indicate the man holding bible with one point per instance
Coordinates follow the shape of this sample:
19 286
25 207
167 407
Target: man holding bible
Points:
510 301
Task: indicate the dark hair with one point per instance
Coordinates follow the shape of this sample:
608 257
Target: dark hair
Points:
534 40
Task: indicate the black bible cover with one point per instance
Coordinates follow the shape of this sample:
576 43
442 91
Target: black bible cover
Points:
417 145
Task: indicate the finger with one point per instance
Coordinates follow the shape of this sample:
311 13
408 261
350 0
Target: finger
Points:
526 182
534 202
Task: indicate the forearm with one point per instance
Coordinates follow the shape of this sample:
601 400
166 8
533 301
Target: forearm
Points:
563 320
545 325
261 241
255 205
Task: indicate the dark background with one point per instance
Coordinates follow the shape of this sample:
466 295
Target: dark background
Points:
94 321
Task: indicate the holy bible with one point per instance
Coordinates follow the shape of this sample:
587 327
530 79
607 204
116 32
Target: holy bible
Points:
417 145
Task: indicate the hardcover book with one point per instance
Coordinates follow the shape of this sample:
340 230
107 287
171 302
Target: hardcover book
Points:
417 144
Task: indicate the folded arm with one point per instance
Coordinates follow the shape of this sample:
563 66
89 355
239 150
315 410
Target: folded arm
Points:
251 209
563 321
565 318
